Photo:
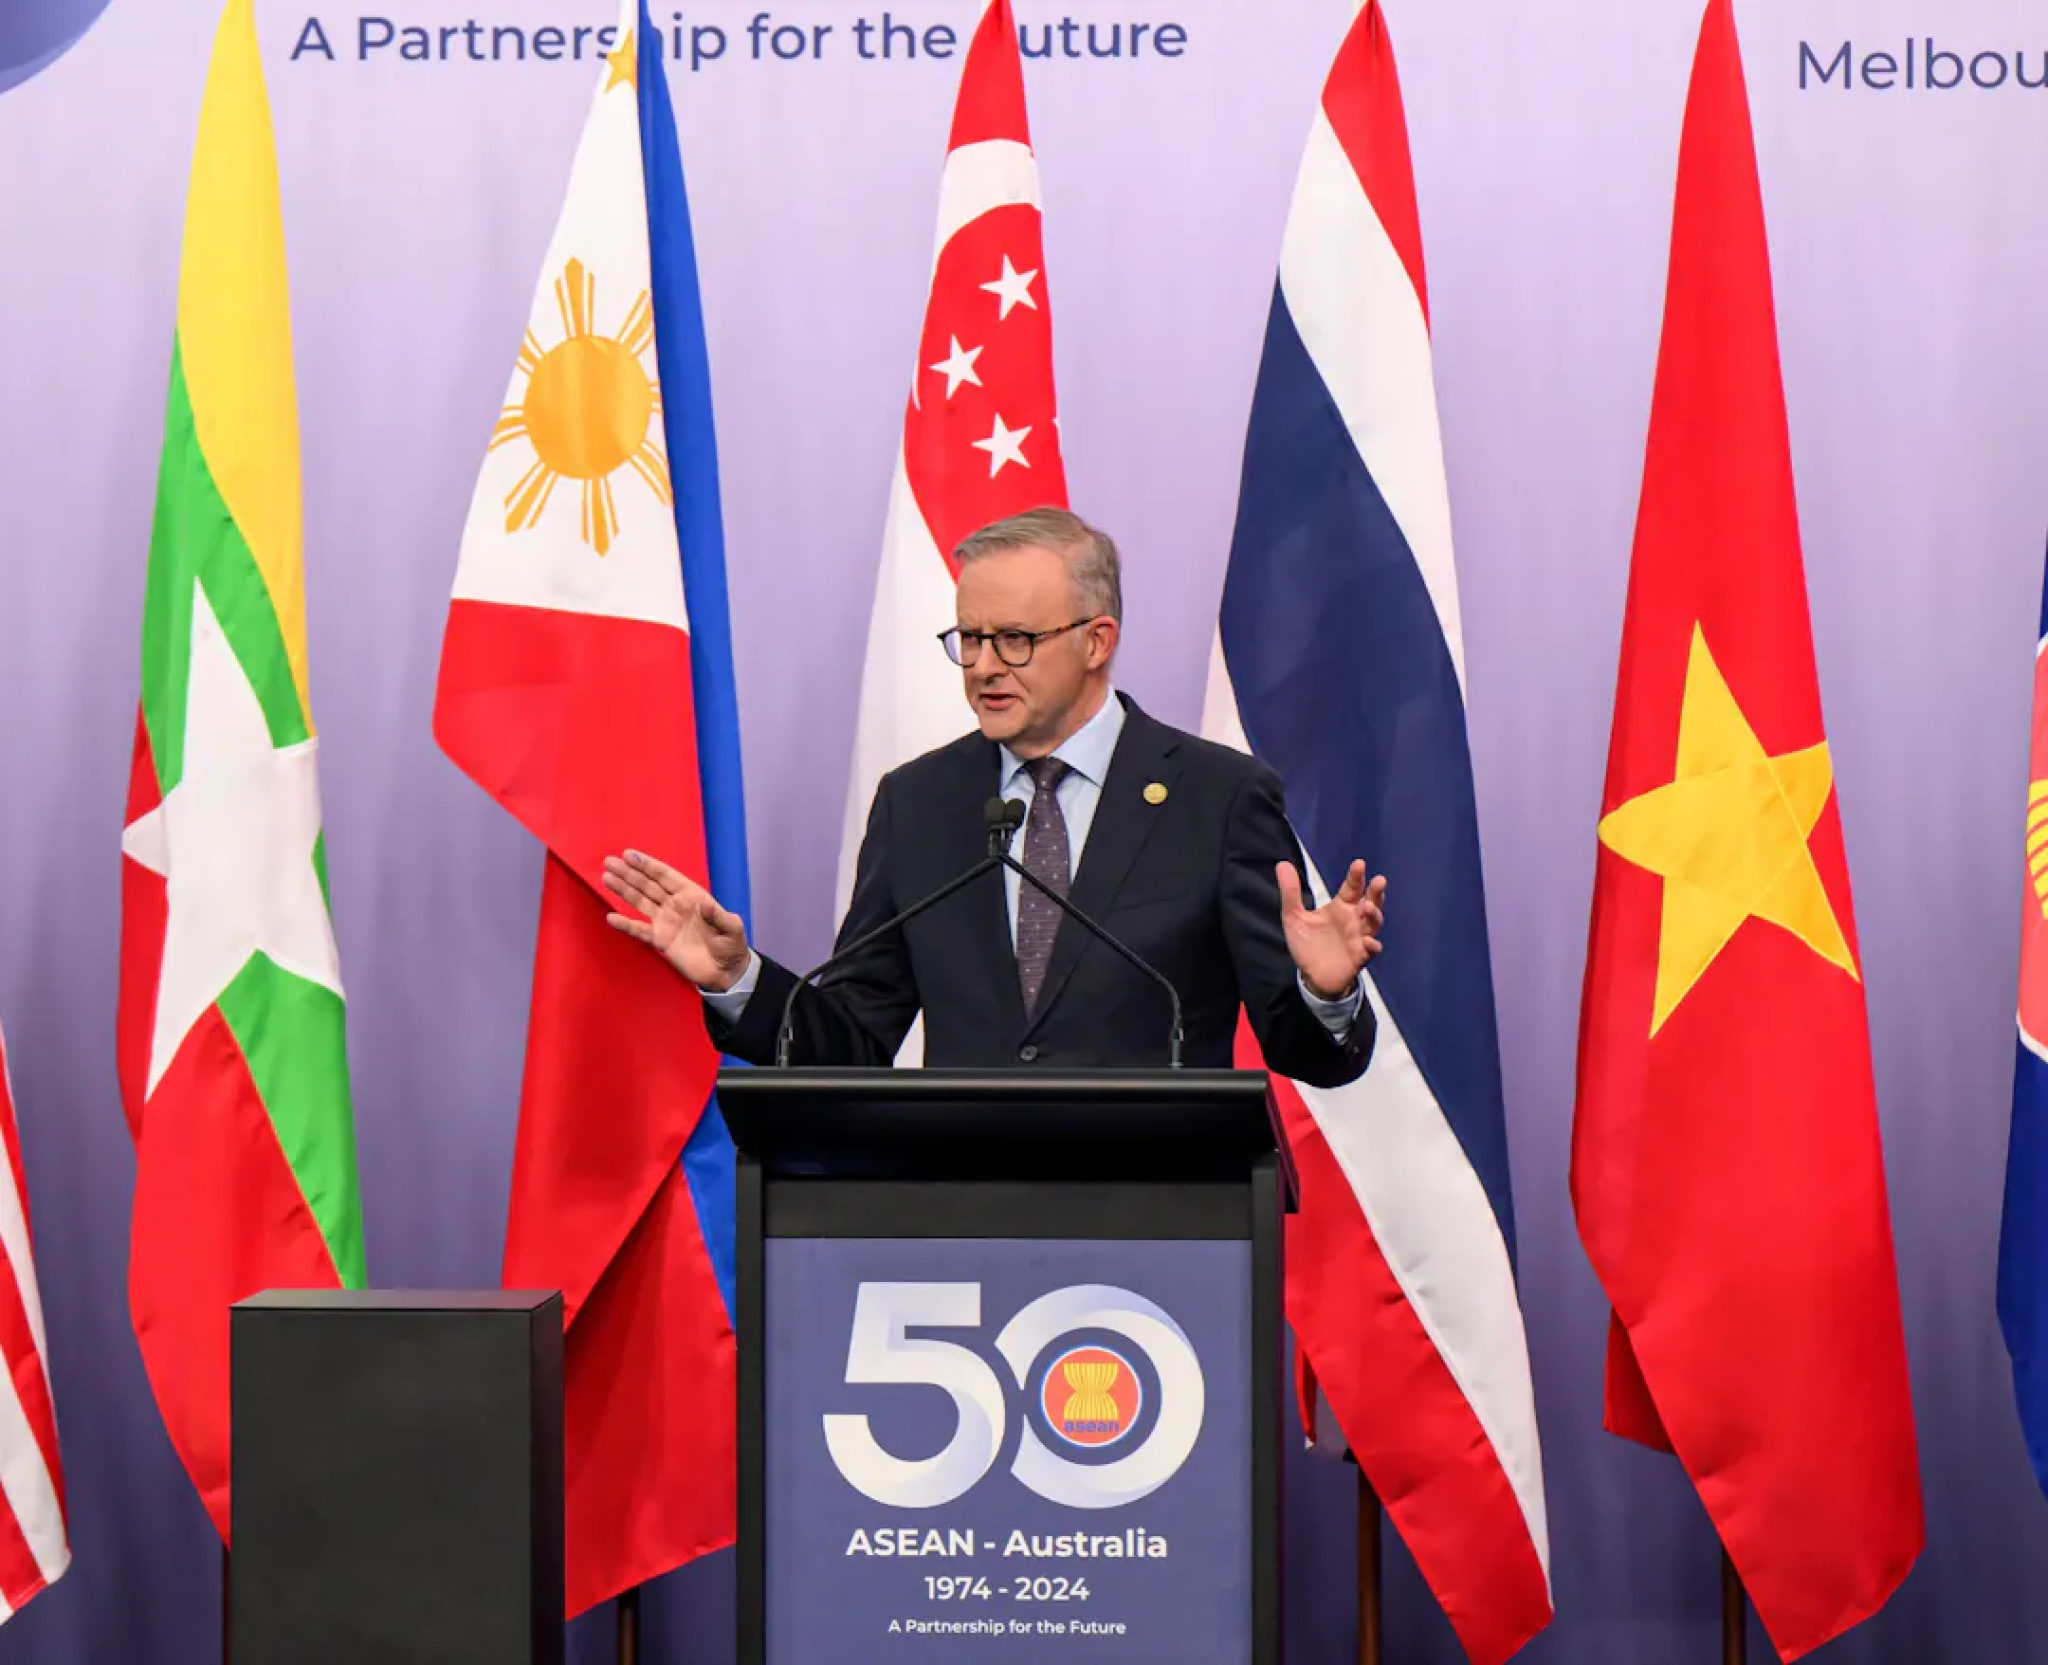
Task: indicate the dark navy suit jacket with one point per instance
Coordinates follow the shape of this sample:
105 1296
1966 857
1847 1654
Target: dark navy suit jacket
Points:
1187 882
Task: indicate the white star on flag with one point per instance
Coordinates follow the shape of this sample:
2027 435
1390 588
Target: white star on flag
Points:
234 841
1013 288
1003 445
958 366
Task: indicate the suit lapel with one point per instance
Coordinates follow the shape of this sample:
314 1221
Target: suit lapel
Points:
1123 822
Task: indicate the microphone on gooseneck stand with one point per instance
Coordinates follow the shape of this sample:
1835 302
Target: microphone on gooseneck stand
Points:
1004 816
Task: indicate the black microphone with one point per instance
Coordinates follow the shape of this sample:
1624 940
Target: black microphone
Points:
1003 816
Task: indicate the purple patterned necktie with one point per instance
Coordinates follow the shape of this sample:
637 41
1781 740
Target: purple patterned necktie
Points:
1045 858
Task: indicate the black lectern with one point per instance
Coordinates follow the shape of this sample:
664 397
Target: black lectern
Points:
1009 1366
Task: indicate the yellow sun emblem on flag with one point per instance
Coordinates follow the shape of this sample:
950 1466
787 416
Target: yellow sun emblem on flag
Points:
587 406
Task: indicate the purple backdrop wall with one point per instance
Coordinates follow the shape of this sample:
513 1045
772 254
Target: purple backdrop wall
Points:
1913 307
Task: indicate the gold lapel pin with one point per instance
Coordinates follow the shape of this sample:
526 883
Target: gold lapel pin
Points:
1155 793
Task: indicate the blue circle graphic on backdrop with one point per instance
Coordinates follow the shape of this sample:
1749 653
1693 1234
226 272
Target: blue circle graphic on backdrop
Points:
34 34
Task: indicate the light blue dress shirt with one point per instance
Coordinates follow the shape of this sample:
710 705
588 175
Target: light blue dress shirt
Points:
1086 753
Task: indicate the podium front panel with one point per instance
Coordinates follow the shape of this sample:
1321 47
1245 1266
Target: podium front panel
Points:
1012 1445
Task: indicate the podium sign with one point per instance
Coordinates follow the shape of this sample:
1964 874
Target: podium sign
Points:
1008 1443
1009 1366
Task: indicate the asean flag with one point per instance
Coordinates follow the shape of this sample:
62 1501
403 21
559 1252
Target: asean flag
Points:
2023 1227
586 683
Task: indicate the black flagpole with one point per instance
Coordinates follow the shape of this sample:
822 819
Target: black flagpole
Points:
1734 1614
1368 1571
629 1626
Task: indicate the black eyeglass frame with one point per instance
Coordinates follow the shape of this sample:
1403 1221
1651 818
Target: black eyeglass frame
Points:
955 639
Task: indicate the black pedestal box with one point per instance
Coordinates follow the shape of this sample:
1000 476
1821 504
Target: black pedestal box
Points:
397 1478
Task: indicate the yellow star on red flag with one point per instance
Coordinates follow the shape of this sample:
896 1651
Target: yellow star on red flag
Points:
1728 835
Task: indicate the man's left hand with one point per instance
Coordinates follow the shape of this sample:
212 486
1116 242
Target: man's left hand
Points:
1332 944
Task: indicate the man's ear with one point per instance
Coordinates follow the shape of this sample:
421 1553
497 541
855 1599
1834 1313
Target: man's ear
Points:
1102 639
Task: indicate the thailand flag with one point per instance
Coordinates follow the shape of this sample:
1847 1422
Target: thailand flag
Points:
586 683
2023 1232
1340 663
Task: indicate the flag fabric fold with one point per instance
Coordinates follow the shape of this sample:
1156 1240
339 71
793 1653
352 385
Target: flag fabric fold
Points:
1726 1166
586 683
2023 1224
230 1039
980 429
35 1544
1400 1262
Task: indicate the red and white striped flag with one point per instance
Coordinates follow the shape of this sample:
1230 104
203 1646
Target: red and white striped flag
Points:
35 1547
980 435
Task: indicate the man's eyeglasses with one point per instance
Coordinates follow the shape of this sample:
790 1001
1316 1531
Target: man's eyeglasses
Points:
1013 647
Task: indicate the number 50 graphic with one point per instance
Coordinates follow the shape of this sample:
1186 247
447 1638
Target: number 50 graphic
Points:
881 1350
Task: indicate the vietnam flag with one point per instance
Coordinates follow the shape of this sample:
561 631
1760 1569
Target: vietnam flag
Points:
1726 1169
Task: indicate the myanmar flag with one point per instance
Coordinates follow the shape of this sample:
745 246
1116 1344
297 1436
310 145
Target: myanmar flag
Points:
1726 1168
233 1070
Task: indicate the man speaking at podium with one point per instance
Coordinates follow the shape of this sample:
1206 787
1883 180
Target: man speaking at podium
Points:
1179 848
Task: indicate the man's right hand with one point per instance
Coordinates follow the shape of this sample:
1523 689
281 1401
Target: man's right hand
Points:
679 919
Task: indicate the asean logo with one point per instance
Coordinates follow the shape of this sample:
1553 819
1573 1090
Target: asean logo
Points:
1110 1387
1091 1397
34 34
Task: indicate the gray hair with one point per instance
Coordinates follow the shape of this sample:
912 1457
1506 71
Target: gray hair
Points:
1090 553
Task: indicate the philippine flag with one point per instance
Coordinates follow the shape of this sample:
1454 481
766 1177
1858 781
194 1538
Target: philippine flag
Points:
1340 662
586 683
